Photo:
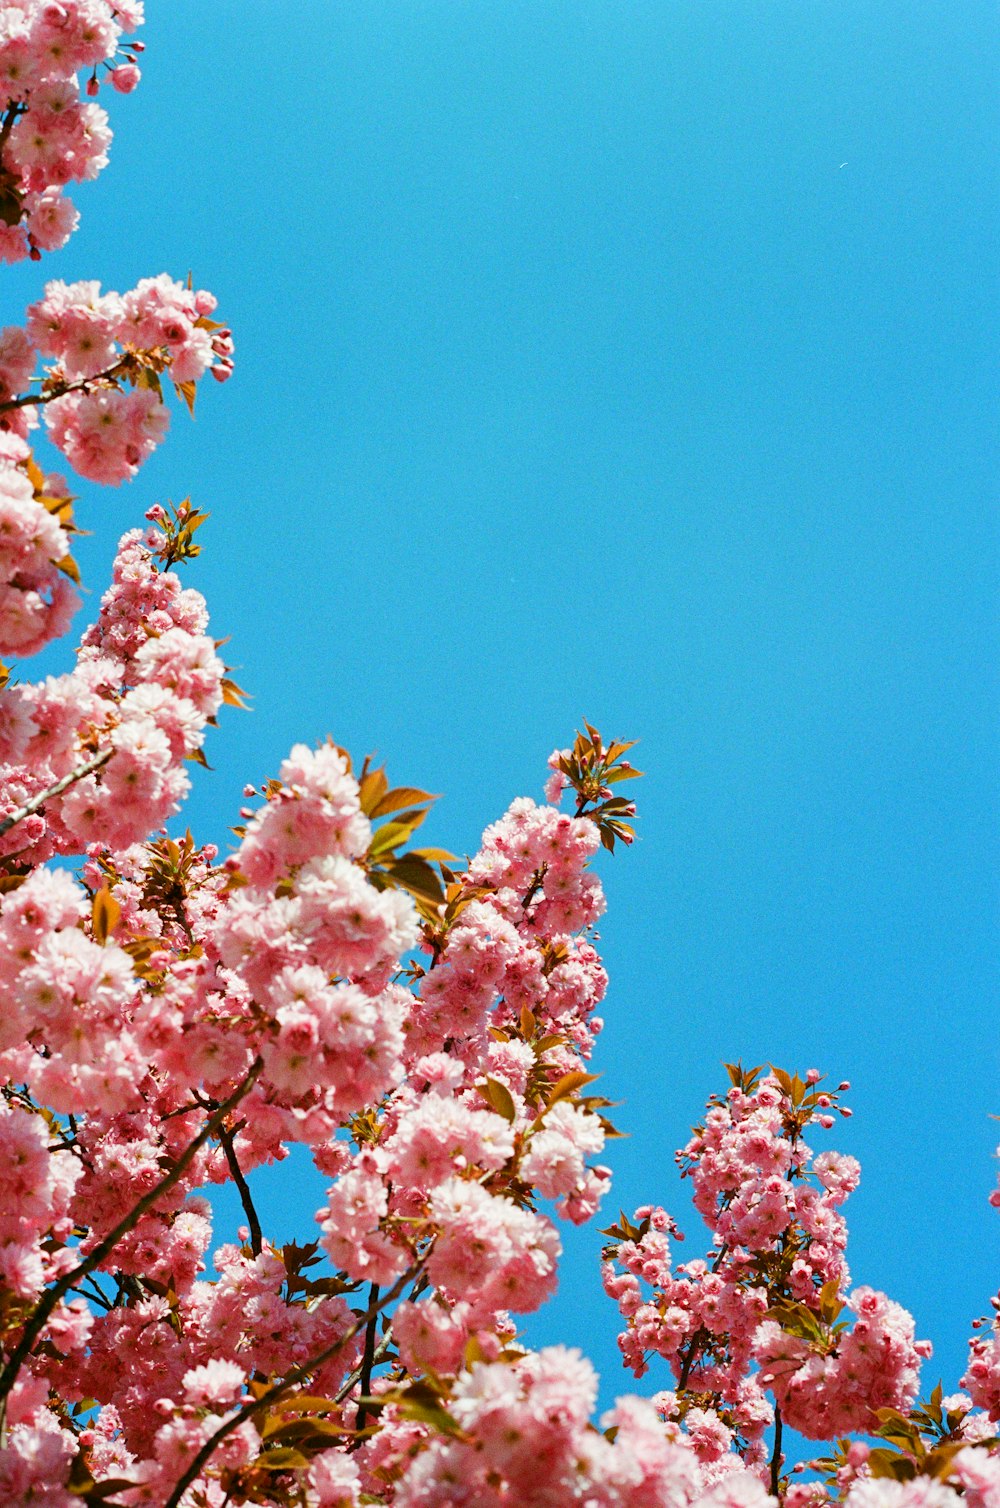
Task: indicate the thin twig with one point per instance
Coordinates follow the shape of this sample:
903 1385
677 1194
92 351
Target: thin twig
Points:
368 1360
296 1375
93 1298
776 1453
36 1324
356 1375
533 889
246 1198
33 400
30 807
380 1350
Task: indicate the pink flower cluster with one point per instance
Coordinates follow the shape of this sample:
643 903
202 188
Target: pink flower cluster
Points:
166 1371
36 1187
982 1377
515 941
50 135
779 1242
146 682
283 957
99 344
524 1437
974 1482
315 944
65 1032
824 1392
36 598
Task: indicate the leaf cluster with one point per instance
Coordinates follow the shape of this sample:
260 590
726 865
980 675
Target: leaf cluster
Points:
592 770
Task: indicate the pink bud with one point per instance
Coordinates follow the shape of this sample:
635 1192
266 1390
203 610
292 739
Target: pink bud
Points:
125 77
93 85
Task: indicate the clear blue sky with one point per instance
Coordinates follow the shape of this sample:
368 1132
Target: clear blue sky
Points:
633 361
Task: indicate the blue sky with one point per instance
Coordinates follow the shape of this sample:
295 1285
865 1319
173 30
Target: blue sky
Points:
629 361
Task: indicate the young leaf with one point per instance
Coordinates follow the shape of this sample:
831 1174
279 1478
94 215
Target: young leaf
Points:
499 1097
105 914
396 800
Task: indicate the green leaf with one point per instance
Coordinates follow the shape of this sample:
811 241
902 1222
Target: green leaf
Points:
420 1402
304 1403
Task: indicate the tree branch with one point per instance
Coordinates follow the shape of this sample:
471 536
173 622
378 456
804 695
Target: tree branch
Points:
13 112
30 807
296 1375
246 1198
380 1350
368 1360
776 1452
34 400
58 1291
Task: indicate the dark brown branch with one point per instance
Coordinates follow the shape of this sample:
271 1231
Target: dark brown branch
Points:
368 1360
246 1198
352 1381
776 1453
13 112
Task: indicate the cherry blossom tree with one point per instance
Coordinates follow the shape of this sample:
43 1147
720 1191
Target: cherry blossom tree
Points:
424 1026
